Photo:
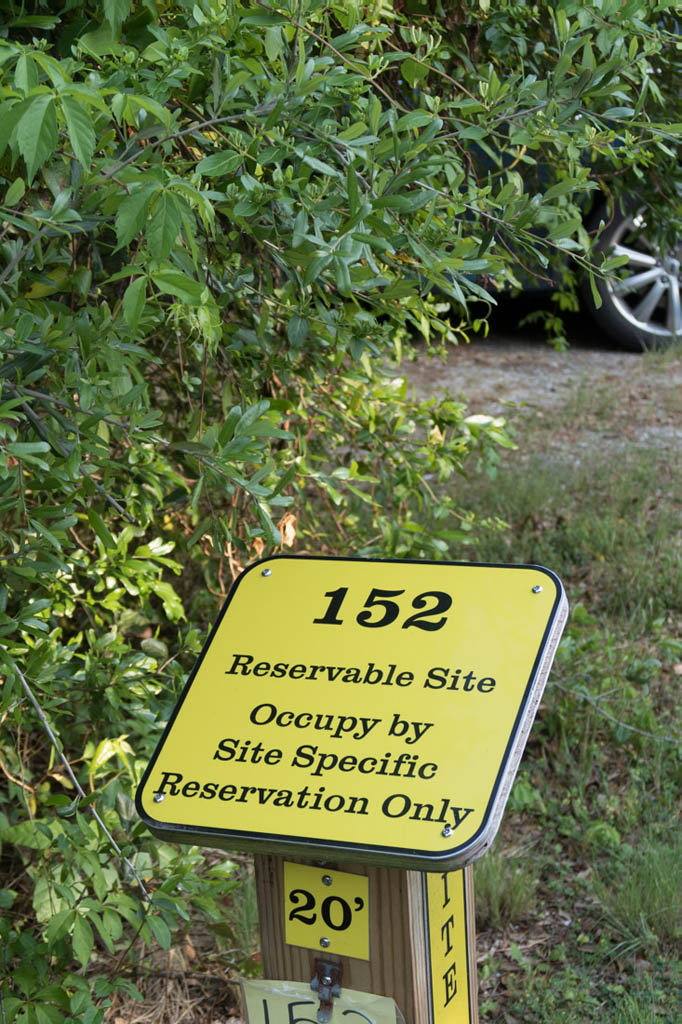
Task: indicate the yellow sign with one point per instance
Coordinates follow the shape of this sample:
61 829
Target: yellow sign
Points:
451 939
355 707
326 910
293 1002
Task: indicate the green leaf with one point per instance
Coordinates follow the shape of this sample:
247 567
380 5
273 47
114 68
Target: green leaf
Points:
36 133
155 648
131 216
415 119
174 282
272 534
265 19
100 41
7 898
374 113
413 71
26 833
163 226
28 449
116 12
300 228
134 301
219 163
315 267
83 940
160 931
561 188
353 190
54 69
343 281
297 330
353 131
404 203
25 74
595 291
172 605
59 925
9 119
253 413
153 107
320 165
100 528
46 1014
274 45
564 230
107 749
15 192
80 128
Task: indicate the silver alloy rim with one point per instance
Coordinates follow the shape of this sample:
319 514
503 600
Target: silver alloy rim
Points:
648 293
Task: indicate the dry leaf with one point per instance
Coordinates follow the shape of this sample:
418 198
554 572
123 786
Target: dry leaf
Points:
287 527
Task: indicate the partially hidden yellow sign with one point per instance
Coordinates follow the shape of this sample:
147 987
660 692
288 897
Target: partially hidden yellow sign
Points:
293 1002
326 909
451 947
372 709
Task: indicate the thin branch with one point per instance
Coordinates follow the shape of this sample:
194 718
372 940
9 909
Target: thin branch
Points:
14 262
63 450
79 789
438 71
345 60
213 122
14 779
612 718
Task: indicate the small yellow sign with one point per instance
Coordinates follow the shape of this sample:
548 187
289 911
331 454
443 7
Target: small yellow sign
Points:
326 910
354 706
449 934
293 1002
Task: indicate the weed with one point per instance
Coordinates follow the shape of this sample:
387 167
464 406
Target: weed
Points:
641 897
610 526
505 887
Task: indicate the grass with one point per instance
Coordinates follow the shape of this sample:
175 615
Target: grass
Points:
586 925
505 887
641 897
612 527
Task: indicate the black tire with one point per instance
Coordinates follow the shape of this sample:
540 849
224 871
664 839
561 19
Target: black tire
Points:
641 305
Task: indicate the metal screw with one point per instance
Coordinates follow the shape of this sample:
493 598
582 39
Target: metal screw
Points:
537 589
159 798
326 879
266 572
325 943
326 980
447 831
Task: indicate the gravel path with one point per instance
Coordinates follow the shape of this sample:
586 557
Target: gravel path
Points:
588 395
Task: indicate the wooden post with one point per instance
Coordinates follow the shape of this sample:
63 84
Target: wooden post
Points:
401 948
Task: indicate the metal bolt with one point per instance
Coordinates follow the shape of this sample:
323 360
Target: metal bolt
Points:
326 879
537 589
159 798
447 831
325 943
266 572
326 980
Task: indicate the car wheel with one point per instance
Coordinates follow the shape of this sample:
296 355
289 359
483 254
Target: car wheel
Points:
641 305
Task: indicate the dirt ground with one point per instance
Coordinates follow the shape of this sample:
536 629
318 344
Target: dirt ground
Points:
592 392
